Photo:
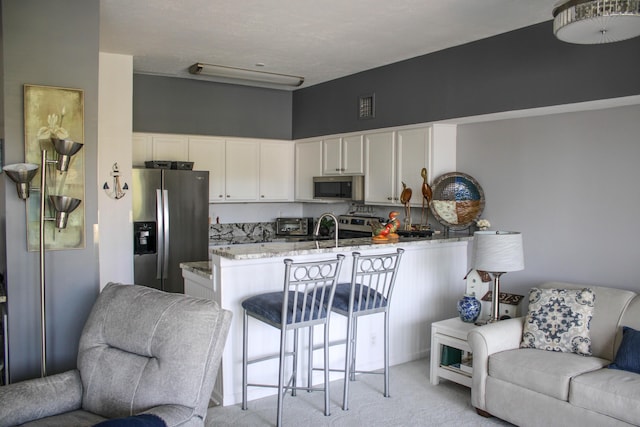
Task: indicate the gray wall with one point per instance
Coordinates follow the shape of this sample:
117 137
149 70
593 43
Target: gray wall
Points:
173 105
522 69
568 183
51 44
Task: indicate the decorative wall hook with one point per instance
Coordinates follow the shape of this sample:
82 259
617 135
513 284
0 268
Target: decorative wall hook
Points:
118 191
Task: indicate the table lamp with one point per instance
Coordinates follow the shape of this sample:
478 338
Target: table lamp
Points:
497 252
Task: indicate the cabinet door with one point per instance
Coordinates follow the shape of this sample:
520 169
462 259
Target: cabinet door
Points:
443 150
242 170
412 149
380 163
170 147
353 155
332 156
276 171
209 154
142 149
308 164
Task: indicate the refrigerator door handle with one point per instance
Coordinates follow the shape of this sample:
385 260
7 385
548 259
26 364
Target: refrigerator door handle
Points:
165 234
159 234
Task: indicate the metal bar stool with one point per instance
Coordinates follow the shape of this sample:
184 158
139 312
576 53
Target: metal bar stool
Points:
306 301
372 281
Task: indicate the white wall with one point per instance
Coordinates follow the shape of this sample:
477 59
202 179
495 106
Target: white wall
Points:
569 183
114 146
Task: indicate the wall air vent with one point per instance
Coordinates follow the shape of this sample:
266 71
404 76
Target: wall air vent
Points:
367 106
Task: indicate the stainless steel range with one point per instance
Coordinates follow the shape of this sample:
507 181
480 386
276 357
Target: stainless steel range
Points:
353 226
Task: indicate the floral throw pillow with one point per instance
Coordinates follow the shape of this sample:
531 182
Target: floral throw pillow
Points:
558 320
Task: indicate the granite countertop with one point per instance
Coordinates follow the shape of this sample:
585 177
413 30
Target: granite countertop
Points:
200 268
277 249
243 240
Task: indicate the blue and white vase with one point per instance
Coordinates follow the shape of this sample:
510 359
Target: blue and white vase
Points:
469 308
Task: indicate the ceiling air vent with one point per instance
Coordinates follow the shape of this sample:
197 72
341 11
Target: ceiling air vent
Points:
367 106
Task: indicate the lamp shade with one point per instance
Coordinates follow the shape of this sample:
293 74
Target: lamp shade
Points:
497 251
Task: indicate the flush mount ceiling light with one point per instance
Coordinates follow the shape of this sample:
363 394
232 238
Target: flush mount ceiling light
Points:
245 75
596 21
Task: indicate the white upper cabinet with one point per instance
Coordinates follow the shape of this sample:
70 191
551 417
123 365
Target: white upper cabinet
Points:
380 177
343 156
412 151
308 163
170 147
142 149
398 156
208 154
150 146
276 171
242 170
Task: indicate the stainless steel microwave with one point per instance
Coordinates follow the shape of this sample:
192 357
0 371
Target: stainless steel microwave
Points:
339 187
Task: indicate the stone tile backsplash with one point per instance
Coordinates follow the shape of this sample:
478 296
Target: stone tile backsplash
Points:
244 232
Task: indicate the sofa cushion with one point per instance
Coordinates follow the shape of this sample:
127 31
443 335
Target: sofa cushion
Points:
610 392
558 320
604 328
545 372
627 356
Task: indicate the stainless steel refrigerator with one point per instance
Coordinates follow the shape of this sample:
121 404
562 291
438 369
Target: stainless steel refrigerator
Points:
170 224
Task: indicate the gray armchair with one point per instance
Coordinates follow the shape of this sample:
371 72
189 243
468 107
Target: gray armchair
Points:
142 351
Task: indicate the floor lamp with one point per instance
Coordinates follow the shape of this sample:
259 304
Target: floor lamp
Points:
497 252
22 174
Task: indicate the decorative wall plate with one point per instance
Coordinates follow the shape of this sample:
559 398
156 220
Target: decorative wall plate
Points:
458 200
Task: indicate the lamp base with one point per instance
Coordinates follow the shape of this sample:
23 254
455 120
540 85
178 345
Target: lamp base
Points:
495 299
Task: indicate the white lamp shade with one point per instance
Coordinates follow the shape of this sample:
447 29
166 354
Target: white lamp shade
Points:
497 251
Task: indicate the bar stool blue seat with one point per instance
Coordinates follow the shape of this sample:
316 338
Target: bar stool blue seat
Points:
305 302
372 281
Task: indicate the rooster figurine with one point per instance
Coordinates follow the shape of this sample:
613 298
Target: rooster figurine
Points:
382 233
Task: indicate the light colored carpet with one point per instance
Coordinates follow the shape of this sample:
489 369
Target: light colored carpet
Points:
413 402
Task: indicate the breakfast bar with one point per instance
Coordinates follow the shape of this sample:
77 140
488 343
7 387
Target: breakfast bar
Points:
430 281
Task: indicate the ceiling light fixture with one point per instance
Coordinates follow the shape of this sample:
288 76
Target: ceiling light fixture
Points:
596 21
245 75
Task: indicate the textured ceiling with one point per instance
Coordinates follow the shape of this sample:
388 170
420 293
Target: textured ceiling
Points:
319 40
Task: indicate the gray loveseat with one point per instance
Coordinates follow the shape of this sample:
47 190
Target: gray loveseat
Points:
141 351
532 387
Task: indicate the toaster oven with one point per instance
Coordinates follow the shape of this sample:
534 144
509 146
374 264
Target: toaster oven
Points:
294 226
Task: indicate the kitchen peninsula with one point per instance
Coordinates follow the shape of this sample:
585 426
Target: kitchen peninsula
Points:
430 281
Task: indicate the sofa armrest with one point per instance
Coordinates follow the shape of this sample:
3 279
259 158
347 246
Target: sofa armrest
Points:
41 397
485 341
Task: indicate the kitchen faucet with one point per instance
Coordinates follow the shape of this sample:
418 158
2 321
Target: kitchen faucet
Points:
335 221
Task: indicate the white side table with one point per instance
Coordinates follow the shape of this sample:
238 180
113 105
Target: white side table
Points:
453 333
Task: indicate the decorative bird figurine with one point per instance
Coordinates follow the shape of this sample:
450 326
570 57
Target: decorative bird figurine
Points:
427 194
387 231
405 199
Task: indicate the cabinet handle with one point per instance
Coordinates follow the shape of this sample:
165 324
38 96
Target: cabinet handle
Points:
262 196
228 196
337 169
389 198
220 196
